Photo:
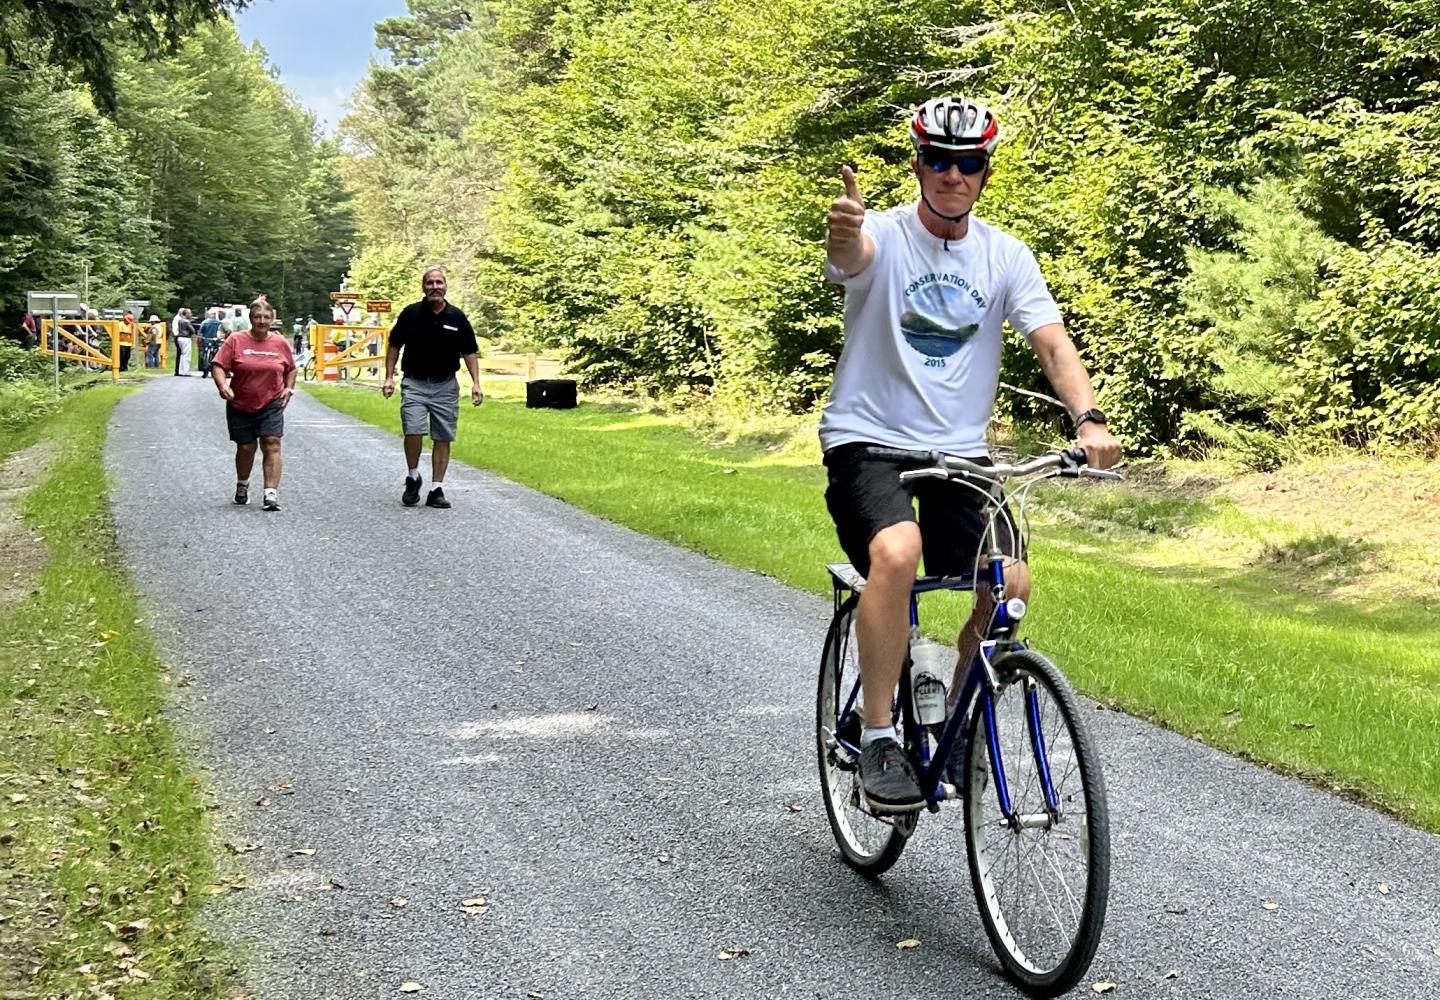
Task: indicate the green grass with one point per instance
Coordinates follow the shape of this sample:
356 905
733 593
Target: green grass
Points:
1347 696
105 845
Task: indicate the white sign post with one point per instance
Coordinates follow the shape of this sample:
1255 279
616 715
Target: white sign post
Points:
36 302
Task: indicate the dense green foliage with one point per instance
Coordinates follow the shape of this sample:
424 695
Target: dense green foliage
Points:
645 184
198 180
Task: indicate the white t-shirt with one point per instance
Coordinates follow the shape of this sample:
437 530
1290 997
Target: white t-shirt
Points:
923 336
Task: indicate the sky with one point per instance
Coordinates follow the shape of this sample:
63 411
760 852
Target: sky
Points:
322 47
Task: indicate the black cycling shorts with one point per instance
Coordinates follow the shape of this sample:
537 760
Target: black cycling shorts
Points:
865 496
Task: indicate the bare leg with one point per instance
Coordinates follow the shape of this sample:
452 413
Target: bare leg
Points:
244 461
881 618
413 444
270 458
439 460
1017 584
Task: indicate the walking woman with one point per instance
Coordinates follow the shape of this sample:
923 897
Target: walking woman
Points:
261 382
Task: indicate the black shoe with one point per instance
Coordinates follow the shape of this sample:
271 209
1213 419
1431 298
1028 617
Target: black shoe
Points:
887 779
436 498
242 493
411 496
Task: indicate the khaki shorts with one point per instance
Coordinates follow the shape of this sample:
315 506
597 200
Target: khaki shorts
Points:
430 407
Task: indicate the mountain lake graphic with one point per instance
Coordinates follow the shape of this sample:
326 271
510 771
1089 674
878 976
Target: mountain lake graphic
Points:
924 323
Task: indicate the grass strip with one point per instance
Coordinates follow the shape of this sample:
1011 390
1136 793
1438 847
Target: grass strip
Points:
105 844
1342 695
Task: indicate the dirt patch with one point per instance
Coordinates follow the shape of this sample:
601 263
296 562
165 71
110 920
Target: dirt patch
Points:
20 553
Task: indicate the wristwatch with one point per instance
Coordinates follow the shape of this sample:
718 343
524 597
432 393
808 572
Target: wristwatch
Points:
1090 416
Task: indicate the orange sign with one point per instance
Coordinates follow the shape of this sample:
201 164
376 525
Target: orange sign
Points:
345 296
377 305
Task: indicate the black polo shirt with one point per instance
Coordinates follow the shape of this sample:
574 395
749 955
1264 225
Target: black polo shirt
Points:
433 342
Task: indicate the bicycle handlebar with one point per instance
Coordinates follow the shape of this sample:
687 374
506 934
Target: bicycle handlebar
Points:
1070 462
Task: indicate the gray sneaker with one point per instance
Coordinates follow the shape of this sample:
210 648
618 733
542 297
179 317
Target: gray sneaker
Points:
242 493
888 780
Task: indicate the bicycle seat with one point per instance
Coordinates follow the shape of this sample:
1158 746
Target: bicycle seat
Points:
844 576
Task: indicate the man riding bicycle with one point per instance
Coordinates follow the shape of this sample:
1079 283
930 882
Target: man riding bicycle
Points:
927 291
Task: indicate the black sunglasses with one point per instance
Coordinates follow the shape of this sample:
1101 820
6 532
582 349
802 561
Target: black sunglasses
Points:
940 161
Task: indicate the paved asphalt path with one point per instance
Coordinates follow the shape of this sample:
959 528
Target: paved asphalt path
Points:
602 734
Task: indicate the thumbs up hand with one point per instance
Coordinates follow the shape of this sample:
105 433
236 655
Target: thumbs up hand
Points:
846 246
847 212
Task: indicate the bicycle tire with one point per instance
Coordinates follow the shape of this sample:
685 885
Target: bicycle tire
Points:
308 372
867 843
1022 961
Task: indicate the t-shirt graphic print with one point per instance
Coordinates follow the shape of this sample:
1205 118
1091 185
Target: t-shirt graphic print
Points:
942 313
924 331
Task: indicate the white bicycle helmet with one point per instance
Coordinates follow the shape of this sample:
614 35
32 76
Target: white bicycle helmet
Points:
956 123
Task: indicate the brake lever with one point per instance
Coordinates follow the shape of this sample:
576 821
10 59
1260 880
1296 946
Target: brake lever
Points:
911 474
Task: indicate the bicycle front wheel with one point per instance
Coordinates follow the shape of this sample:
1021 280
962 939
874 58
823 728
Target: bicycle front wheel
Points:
868 843
1041 873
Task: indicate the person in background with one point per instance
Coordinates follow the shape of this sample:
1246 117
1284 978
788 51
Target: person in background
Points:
129 337
184 331
29 330
435 337
210 337
154 334
236 321
260 385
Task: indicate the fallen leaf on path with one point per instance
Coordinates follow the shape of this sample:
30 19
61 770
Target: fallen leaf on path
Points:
664 859
1384 889
262 802
220 888
908 944
241 846
1270 904
794 807
1435 951
303 852
1177 909
19 797
1104 986
1173 974
399 901
134 928
726 954
476 905
334 883
411 987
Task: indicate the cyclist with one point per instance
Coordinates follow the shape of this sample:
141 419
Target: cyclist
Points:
927 289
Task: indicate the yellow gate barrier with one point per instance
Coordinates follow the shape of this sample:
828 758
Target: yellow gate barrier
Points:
346 349
75 336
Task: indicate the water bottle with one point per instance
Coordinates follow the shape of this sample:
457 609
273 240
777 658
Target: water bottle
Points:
930 663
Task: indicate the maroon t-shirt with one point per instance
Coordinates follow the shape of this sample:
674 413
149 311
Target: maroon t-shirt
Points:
257 368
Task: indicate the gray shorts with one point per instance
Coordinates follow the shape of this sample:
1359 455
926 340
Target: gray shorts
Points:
430 407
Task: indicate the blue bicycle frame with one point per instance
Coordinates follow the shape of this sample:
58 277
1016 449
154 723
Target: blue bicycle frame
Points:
979 682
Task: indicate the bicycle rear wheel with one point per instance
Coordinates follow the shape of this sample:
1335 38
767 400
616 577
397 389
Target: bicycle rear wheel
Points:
1042 874
868 843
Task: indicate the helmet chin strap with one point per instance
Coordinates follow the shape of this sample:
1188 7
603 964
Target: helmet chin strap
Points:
955 219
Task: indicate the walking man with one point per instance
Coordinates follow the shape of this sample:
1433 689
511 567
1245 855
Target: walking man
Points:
435 337
928 288
184 331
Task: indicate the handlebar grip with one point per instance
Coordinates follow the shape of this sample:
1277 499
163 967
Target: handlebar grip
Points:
900 455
